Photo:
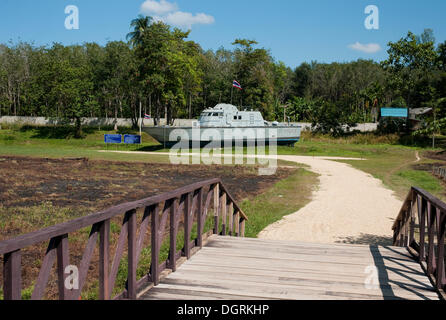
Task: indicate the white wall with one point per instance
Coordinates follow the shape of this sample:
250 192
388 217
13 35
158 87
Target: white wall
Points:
41 121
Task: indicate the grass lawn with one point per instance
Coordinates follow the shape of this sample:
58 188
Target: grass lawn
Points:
58 143
386 158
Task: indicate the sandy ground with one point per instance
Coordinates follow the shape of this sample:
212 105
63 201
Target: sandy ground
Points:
348 206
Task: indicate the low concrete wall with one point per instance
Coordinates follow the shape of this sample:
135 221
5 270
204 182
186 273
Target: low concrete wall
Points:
363 127
42 121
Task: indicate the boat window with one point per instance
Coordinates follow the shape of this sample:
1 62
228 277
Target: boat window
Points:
215 114
235 117
240 117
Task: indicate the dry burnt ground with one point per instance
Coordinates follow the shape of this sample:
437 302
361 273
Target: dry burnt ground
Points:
435 155
68 189
440 157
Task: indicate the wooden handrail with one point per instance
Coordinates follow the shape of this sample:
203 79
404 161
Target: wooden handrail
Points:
193 201
428 210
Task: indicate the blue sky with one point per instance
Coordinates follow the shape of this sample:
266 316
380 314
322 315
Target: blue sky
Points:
294 30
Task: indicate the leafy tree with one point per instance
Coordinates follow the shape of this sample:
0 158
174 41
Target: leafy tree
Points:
139 25
254 70
411 63
328 118
72 86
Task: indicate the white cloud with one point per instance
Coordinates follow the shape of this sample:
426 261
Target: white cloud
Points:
154 7
186 19
367 48
169 13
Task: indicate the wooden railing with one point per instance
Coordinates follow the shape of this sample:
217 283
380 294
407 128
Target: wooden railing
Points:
439 172
424 216
190 203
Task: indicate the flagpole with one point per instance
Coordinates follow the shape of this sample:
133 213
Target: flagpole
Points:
140 120
232 91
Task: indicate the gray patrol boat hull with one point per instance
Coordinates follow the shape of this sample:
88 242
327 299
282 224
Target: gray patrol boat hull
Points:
280 135
225 124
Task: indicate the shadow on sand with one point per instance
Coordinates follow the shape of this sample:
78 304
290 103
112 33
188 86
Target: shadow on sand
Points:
367 239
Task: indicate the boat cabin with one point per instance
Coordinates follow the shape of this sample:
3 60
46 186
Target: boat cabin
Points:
226 115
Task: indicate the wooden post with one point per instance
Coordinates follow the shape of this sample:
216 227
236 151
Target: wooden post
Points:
223 213
155 245
173 236
200 219
412 221
231 219
12 276
104 260
422 219
406 227
132 263
216 207
431 265
187 208
242 228
441 225
63 260
237 224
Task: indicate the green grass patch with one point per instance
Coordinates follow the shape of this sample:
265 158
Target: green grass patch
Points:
422 179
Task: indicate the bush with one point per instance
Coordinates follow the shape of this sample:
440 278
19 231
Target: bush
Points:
330 119
392 125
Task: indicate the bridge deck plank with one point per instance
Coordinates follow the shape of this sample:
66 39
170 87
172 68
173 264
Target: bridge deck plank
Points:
243 269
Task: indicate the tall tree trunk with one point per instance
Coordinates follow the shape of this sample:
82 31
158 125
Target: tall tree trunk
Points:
78 133
158 113
18 99
190 106
15 106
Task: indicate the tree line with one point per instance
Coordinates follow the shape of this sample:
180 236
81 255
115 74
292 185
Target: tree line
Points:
159 70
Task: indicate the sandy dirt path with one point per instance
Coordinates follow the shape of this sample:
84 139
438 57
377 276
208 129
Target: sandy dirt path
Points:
348 206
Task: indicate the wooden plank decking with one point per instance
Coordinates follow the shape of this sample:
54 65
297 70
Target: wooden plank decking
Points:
242 269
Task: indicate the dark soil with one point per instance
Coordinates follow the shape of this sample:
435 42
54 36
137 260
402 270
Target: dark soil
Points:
436 155
96 185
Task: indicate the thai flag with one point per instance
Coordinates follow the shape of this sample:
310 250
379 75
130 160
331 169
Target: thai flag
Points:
237 85
147 117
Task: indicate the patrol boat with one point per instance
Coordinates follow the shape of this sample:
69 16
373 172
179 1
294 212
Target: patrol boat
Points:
226 125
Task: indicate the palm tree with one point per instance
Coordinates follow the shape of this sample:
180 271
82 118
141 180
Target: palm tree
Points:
139 25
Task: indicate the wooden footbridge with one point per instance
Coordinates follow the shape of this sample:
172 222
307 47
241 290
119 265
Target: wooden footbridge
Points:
221 264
